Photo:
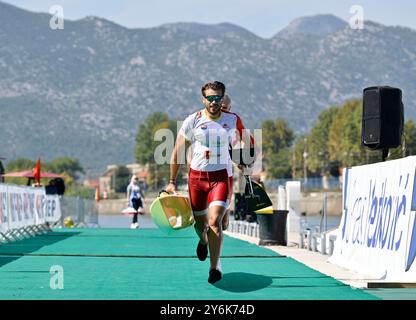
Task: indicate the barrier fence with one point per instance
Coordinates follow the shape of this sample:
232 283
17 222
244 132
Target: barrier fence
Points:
83 212
309 184
26 212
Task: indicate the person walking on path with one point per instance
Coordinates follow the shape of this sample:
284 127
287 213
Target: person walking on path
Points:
210 131
135 199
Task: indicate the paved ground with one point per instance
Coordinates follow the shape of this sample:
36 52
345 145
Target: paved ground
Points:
319 262
146 264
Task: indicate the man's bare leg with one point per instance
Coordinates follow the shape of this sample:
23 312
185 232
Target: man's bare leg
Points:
201 228
215 235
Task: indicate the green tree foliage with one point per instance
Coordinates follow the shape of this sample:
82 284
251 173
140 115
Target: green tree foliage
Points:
408 146
65 165
68 167
277 138
318 153
20 164
410 137
122 179
296 159
145 143
146 147
77 190
344 142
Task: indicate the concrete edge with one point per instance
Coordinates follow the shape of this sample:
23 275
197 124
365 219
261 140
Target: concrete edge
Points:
313 260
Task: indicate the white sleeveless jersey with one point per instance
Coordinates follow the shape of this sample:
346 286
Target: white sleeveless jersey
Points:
211 139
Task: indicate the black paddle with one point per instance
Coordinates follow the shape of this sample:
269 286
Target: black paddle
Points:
256 197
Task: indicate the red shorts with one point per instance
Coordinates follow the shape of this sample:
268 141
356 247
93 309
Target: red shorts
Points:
207 188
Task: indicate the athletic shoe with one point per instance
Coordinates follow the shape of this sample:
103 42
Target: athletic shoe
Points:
214 276
134 225
202 251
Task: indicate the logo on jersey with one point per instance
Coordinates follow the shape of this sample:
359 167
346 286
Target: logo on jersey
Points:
203 127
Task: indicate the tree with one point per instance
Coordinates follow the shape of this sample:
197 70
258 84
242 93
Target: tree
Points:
122 179
296 158
410 137
344 143
408 145
318 151
20 164
146 146
77 190
277 138
64 165
145 143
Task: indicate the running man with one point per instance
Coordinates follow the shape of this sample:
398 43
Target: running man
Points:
210 131
225 106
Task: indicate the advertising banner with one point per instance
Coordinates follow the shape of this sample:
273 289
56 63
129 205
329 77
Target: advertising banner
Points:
52 208
21 206
4 208
25 206
377 233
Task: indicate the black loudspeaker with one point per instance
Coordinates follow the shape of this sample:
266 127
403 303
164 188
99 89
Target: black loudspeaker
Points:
382 120
60 186
56 186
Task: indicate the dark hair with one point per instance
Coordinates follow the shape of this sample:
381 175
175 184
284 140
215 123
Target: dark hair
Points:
216 85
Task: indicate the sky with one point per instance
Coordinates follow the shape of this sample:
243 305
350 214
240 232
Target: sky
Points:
263 17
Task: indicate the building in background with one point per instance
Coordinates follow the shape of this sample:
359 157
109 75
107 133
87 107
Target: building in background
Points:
91 183
107 180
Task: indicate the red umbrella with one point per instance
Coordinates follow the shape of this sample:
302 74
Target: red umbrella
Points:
30 174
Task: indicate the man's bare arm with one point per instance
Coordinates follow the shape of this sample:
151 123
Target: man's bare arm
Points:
175 162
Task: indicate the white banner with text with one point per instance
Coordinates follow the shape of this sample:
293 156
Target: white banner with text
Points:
377 233
25 206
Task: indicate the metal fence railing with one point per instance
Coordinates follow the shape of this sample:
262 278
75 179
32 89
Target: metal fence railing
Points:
83 212
313 183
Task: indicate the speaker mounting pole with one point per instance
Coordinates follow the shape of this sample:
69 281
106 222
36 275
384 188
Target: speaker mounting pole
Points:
385 153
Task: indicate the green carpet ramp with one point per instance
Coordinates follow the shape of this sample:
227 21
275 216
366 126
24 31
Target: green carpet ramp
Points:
147 264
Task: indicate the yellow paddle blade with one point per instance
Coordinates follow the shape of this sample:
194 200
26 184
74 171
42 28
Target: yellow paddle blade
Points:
171 212
267 210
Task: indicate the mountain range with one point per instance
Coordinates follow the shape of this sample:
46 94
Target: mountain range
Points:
83 91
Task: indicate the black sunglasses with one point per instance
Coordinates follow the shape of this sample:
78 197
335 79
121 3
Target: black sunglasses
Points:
214 98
